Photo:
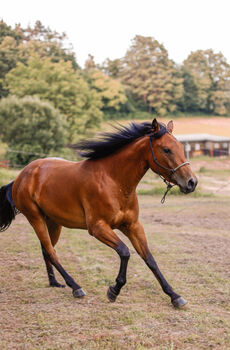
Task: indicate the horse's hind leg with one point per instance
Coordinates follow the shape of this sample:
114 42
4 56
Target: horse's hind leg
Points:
37 221
105 234
54 232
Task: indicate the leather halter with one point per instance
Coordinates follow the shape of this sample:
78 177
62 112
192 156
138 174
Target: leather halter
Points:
155 136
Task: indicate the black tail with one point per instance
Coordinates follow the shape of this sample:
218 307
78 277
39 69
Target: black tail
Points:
8 210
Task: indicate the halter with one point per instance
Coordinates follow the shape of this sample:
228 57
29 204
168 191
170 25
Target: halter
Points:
157 135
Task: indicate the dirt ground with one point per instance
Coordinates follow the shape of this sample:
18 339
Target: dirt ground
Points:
190 240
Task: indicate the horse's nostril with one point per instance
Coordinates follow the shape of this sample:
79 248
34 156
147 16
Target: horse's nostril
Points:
191 184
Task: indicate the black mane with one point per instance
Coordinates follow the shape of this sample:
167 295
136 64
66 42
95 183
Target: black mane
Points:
108 143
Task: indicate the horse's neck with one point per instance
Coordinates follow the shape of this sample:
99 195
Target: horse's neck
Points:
129 165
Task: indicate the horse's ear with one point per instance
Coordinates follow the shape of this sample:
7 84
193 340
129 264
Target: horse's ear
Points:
170 126
155 125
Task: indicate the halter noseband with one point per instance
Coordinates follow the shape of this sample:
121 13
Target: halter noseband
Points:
156 136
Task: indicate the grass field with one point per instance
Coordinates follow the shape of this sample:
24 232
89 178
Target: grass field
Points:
189 237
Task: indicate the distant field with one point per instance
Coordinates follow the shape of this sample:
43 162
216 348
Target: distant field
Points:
215 126
192 125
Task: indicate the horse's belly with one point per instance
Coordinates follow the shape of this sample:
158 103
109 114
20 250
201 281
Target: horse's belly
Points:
69 222
66 213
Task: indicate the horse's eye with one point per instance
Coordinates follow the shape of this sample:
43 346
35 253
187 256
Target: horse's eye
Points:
167 150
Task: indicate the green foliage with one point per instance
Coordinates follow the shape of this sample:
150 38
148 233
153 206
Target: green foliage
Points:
8 60
61 85
7 31
109 90
32 126
46 43
9 51
206 82
151 76
7 176
19 45
112 68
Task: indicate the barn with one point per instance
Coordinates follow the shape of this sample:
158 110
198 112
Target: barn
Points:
205 144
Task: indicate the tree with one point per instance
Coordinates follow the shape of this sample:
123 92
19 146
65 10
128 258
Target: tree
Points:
32 126
90 63
9 52
7 31
19 45
8 60
110 91
46 43
61 85
151 76
112 68
207 82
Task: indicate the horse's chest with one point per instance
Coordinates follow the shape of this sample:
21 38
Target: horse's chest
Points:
123 217
125 211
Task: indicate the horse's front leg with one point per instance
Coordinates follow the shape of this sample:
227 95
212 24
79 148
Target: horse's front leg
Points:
136 234
105 234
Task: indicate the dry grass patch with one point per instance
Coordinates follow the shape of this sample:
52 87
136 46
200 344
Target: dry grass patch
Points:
190 240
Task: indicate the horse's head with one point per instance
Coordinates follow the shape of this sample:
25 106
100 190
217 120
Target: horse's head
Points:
167 158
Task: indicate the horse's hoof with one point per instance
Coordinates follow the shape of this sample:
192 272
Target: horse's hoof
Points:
111 295
179 302
79 293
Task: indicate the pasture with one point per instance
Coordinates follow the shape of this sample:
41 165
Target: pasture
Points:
189 238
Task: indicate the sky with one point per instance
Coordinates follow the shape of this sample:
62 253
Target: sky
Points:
105 28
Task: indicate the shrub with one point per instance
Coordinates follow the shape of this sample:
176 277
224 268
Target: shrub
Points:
30 126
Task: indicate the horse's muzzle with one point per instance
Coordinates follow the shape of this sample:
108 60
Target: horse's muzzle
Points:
190 186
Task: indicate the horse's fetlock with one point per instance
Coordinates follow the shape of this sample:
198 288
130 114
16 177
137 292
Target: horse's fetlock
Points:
121 281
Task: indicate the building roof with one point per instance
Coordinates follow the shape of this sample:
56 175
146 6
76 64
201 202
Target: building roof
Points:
201 137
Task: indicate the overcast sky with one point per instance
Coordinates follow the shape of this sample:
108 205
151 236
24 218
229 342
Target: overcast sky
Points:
105 28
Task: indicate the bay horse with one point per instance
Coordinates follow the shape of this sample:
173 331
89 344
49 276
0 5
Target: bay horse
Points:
98 194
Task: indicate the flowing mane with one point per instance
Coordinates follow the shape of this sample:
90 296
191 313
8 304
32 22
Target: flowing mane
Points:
110 142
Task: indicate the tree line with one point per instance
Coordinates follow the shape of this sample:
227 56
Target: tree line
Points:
47 100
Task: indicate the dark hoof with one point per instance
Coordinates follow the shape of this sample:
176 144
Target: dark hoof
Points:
179 302
78 293
57 285
111 295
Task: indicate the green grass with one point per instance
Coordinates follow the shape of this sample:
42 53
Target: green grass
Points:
7 175
175 191
172 192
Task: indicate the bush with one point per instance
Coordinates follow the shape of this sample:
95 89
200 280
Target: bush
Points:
59 84
30 126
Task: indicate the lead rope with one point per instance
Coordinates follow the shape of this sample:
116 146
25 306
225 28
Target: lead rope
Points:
169 186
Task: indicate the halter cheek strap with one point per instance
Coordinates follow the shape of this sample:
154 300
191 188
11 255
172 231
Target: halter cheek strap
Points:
155 136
